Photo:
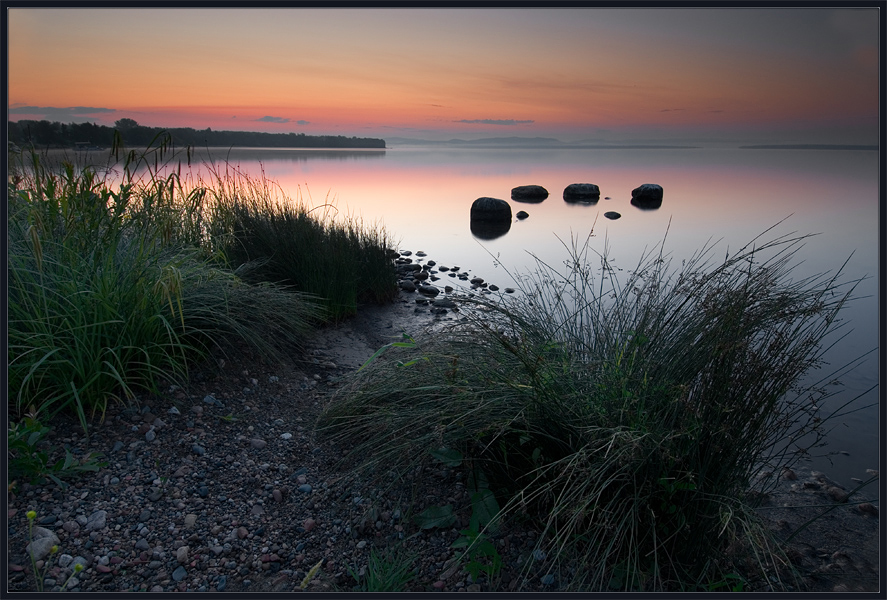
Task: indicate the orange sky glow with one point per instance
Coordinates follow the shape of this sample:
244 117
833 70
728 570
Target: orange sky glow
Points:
788 75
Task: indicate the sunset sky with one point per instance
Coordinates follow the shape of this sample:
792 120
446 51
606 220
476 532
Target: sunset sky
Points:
609 75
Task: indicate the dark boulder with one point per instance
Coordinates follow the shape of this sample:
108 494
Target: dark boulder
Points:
612 215
582 192
647 196
491 210
407 285
521 215
428 290
529 193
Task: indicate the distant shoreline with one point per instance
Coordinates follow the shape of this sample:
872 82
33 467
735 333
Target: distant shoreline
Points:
809 147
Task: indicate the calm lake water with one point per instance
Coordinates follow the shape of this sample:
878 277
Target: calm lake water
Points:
422 196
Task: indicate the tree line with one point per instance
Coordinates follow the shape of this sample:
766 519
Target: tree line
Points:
46 134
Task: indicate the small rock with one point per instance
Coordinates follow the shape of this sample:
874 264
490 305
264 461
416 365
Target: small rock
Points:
150 436
257 443
96 520
41 547
198 450
242 532
71 526
836 494
179 574
190 519
612 215
309 524
286 436
305 488
182 554
869 508
277 495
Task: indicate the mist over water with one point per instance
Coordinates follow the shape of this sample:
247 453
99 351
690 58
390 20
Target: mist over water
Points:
422 196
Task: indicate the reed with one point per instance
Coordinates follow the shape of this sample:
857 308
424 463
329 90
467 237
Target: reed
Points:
112 286
339 259
627 420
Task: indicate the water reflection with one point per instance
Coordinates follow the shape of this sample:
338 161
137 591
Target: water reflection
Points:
646 205
489 230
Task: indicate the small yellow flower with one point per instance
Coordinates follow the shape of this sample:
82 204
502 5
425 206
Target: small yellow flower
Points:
31 515
54 549
78 567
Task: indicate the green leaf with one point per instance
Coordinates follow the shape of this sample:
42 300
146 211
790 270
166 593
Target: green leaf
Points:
484 509
451 458
436 516
477 480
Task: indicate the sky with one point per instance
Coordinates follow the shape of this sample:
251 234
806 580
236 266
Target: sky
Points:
795 75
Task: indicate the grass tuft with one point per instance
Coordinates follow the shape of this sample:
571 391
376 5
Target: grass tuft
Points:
121 279
627 419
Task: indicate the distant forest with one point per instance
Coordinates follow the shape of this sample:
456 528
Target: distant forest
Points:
46 134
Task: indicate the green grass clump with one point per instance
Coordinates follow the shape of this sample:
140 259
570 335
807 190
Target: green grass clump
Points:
627 420
112 287
340 260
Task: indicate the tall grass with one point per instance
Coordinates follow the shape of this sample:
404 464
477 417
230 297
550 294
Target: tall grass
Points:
341 260
625 420
113 286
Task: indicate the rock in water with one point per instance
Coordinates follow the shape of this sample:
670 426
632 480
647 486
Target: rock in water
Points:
612 215
521 215
490 209
647 196
529 193
582 192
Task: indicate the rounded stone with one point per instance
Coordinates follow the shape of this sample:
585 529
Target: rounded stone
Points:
613 215
490 210
521 215
529 193
582 192
647 196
